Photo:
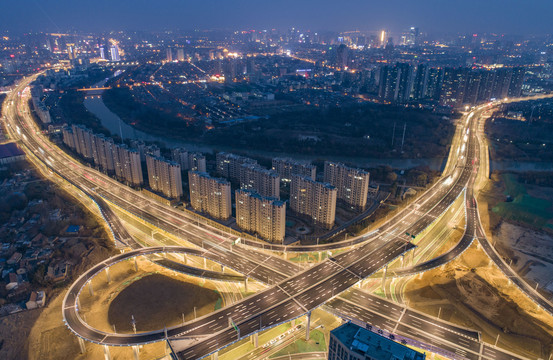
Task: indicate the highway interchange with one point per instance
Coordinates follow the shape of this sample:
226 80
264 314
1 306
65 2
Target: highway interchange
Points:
291 294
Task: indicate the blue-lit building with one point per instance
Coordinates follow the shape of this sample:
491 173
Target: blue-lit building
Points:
352 342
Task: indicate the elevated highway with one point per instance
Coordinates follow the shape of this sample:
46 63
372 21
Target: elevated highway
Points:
291 294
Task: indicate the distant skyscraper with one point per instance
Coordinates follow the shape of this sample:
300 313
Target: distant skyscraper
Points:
395 83
420 82
180 54
485 90
210 195
433 84
342 56
453 87
314 199
103 53
413 37
517 80
474 78
501 83
169 55
262 215
383 38
114 52
71 52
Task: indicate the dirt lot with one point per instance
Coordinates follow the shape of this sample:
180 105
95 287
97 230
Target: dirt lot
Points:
474 294
14 330
163 300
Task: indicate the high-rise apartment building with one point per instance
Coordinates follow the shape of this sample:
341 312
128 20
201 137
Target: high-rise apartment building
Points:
314 199
189 160
83 140
164 176
262 215
517 80
104 152
263 181
143 149
453 87
210 195
127 165
68 137
196 162
285 168
228 165
395 82
474 80
352 184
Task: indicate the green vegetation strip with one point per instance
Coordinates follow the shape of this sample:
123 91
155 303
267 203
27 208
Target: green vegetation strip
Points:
523 208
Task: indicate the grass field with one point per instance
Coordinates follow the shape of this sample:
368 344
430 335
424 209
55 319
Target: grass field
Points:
524 208
315 343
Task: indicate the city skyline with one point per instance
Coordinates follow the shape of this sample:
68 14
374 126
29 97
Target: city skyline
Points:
253 180
509 17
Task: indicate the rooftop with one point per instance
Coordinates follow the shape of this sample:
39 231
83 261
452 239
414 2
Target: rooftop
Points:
363 341
9 150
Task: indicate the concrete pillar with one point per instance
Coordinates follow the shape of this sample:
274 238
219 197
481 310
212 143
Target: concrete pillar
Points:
255 340
246 285
82 345
90 289
107 275
205 263
135 351
215 356
222 268
107 354
135 264
307 326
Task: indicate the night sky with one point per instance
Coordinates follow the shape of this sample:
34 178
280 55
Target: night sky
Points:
432 16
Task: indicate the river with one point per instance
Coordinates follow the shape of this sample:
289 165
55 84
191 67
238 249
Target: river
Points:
115 125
